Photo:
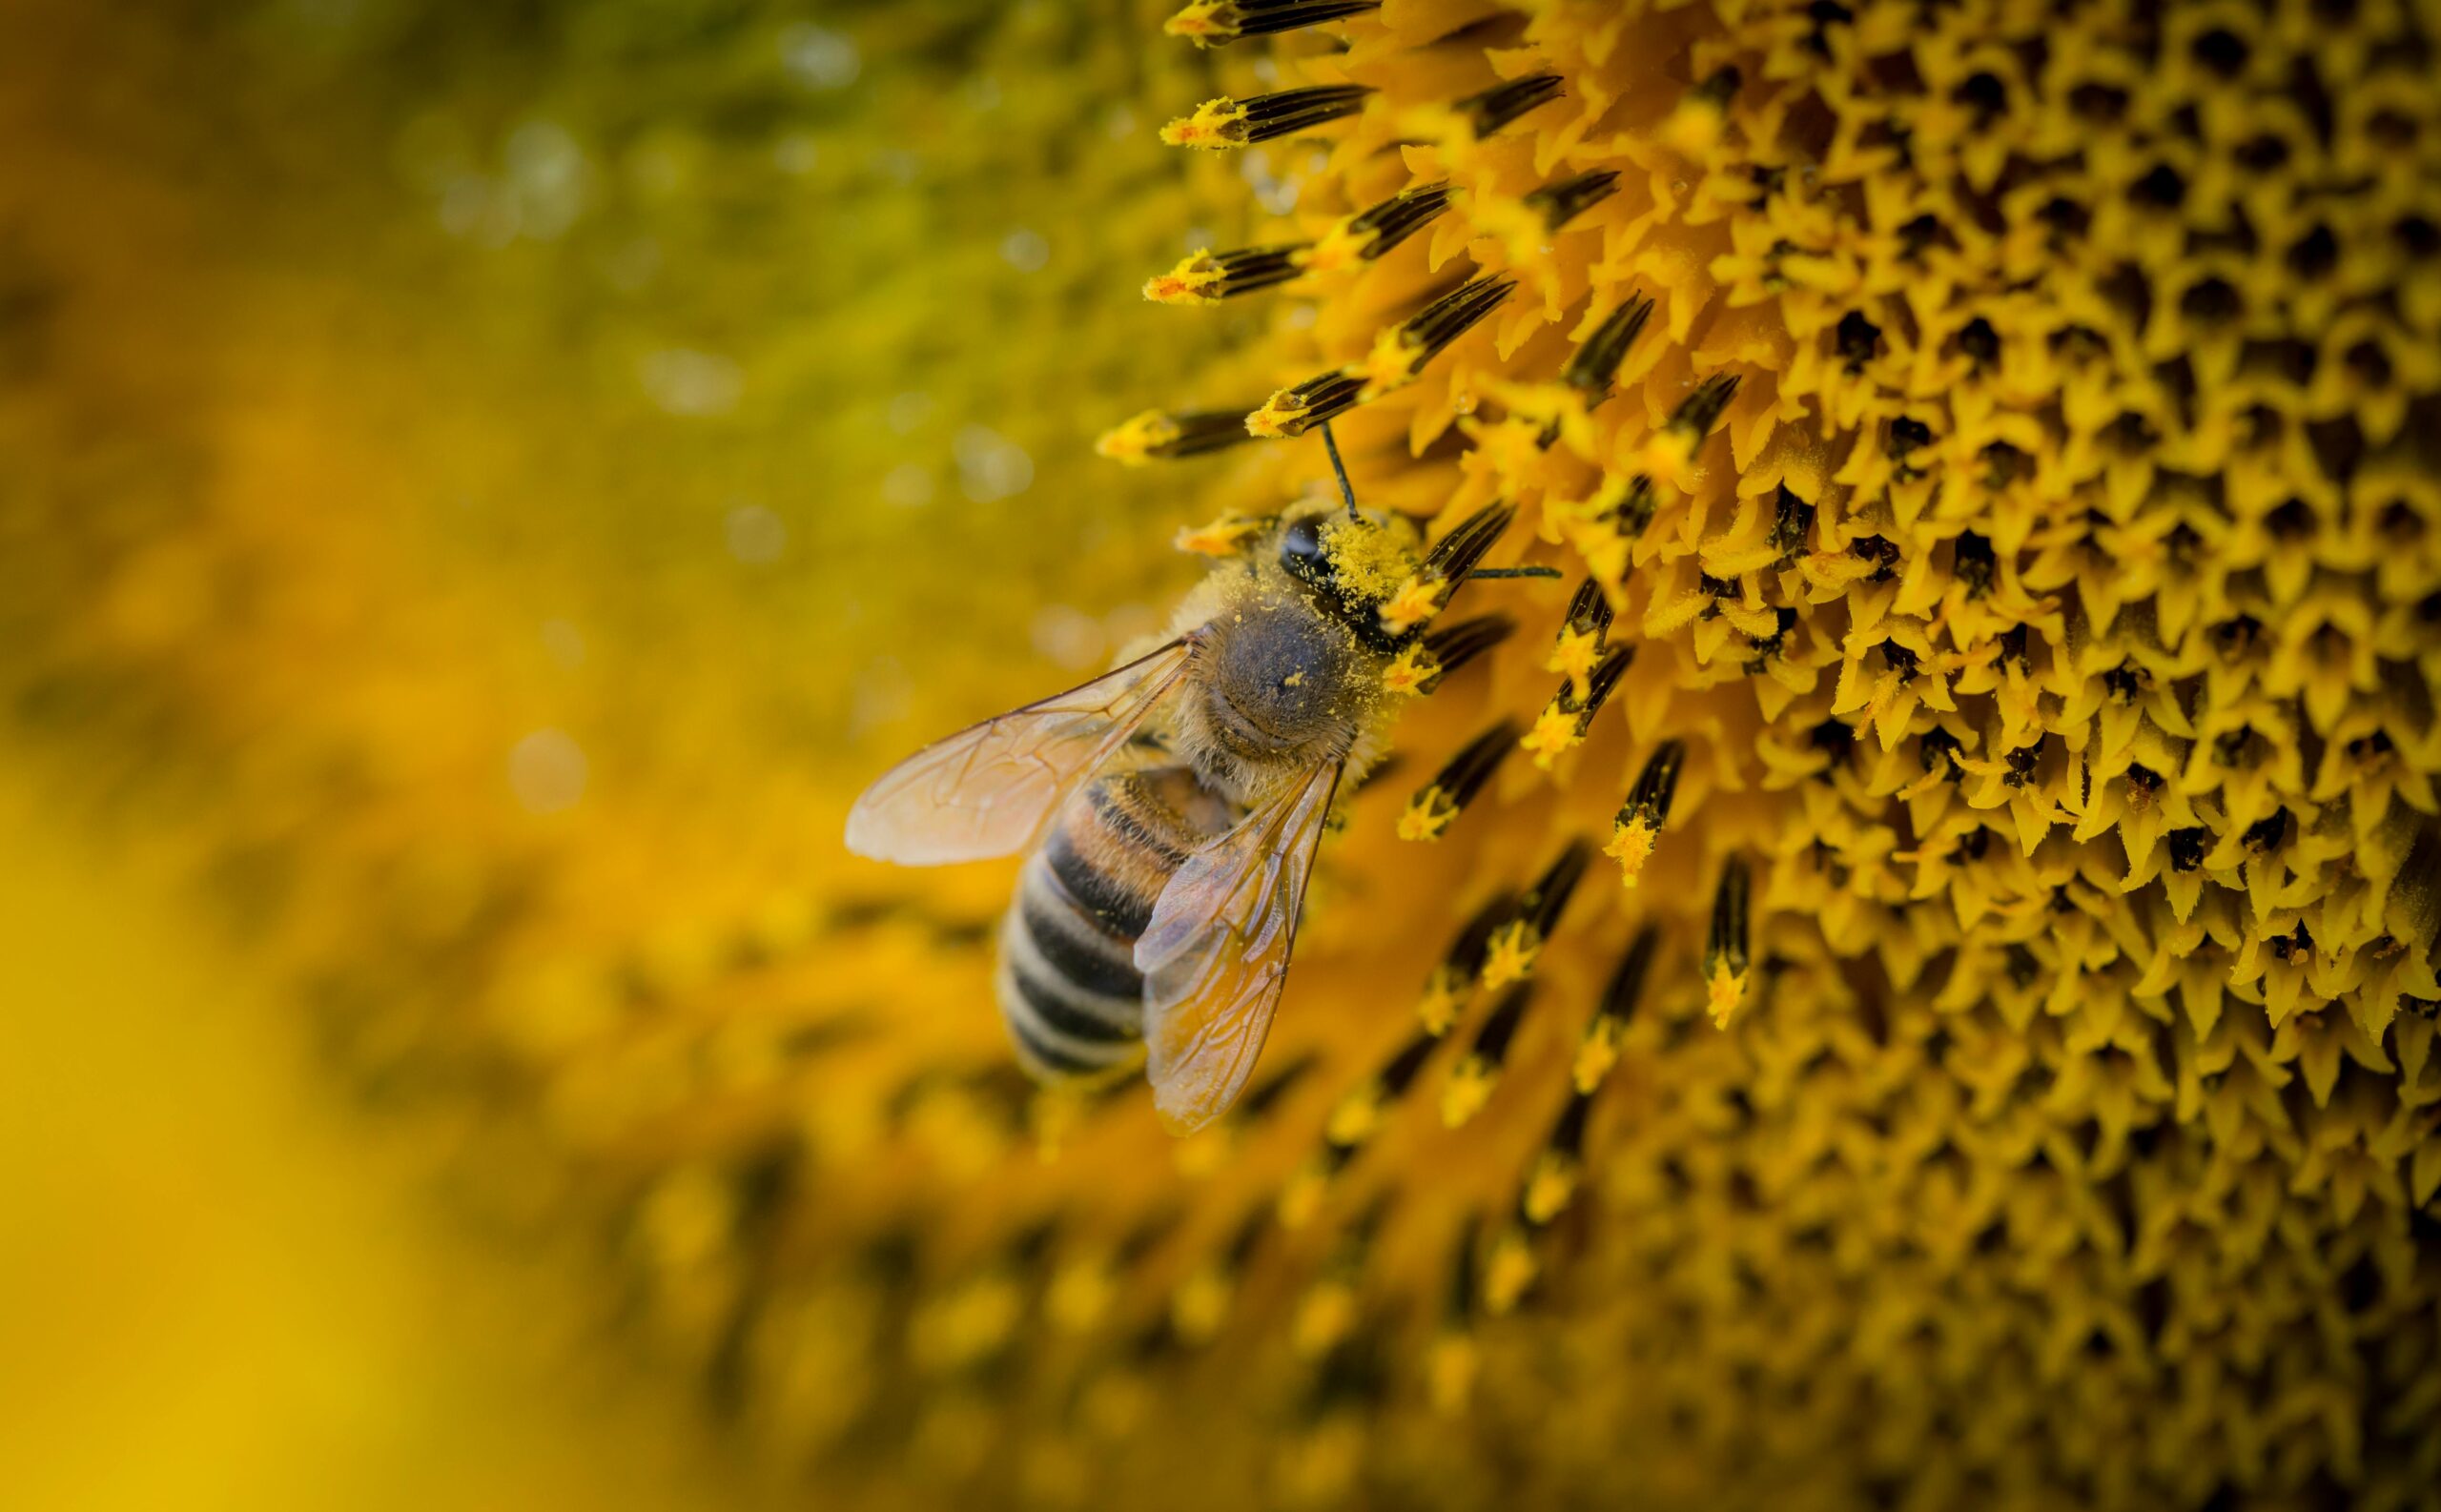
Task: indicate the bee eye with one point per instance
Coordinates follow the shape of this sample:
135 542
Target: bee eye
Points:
1301 550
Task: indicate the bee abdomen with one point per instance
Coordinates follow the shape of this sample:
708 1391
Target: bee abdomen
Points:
1074 948
1113 849
1068 986
1065 1023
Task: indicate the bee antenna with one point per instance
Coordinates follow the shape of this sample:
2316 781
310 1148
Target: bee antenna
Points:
1514 572
1330 443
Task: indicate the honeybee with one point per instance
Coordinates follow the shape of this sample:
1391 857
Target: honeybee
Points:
1170 809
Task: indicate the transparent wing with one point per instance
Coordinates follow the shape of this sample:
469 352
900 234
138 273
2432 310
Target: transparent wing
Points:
989 790
1216 953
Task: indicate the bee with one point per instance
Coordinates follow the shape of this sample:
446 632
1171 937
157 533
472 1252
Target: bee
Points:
1169 811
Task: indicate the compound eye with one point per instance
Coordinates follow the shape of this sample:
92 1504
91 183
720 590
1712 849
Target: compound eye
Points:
1300 549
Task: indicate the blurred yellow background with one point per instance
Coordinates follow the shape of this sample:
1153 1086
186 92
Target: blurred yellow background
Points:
459 465
218 1287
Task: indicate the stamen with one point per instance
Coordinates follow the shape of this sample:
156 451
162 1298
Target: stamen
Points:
1595 365
1581 638
1200 1304
1295 410
1457 552
1511 1272
1208 277
1453 981
1724 953
1696 124
1155 433
1215 23
1359 1115
1225 537
1368 234
1638 825
1448 564
1511 954
1557 1170
1634 510
1672 448
1503 103
1565 199
1432 809
1563 723
1223 124
1473 1080
1599 1050
1329 1311
1699 410
1453 646
1400 354
1452 1359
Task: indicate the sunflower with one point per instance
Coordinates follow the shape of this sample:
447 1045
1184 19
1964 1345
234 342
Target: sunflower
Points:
1905 976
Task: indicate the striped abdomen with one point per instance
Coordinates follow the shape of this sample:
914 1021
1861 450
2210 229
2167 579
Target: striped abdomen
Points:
1068 984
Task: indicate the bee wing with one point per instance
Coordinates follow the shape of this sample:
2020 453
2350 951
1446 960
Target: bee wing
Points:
1215 954
989 790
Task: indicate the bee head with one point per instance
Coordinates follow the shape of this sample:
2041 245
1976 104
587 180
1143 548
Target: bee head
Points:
1347 566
